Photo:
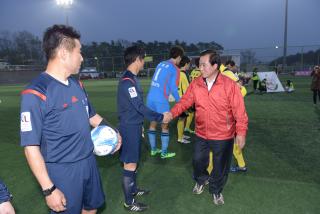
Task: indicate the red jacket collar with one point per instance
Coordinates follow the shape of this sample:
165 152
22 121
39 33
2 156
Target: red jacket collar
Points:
202 81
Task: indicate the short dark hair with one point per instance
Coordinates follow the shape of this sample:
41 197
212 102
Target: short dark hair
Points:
196 61
56 36
184 60
214 57
231 63
175 52
131 54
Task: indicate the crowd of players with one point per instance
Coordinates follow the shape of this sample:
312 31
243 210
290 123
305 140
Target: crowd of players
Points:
57 116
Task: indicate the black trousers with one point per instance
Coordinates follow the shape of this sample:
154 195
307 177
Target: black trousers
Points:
222 155
315 93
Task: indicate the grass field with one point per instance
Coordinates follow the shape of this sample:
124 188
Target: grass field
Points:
282 154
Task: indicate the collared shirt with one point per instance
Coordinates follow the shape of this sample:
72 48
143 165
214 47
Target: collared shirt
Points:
55 117
210 83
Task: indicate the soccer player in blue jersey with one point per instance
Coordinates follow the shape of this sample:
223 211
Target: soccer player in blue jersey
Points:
56 116
131 114
164 82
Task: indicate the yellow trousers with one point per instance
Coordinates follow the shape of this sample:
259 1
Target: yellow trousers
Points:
237 153
180 128
189 120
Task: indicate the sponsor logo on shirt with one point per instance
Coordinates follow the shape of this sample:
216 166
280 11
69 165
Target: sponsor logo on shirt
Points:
25 122
132 92
74 99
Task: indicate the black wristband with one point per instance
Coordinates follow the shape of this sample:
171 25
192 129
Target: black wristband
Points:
48 192
104 122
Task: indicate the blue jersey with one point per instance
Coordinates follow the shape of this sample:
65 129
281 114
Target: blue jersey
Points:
164 82
131 108
55 117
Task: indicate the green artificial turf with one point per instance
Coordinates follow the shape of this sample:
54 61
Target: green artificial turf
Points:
282 155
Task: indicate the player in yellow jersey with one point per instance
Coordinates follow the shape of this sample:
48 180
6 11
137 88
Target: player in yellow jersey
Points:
193 75
255 80
237 152
183 85
229 71
196 71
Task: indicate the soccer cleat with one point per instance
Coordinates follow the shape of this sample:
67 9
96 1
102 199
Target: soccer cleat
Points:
168 155
235 169
135 207
206 182
218 199
183 141
198 189
155 152
186 137
141 192
189 131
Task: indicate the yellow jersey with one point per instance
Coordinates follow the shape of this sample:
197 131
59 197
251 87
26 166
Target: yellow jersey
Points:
183 83
194 74
235 78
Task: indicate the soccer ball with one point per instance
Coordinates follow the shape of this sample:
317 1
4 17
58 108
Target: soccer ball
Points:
104 139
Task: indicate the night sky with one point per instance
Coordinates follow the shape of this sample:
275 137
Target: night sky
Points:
231 23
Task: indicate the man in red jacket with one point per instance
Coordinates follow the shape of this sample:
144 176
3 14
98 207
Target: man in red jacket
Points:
220 116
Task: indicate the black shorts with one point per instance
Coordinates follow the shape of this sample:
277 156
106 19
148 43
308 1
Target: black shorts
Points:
80 183
131 143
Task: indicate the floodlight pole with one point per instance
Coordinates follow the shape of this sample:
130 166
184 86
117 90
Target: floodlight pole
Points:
284 59
65 4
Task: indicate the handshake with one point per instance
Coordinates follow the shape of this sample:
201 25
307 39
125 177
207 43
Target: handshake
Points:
167 117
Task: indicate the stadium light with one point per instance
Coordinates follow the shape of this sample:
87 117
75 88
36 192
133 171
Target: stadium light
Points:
65 4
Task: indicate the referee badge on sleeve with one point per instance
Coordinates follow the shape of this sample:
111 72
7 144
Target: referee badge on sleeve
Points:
132 92
25 122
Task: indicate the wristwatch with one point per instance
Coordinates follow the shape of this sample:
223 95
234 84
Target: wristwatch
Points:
48 192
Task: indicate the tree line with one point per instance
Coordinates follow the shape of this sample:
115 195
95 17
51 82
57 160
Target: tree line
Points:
308 58
25 48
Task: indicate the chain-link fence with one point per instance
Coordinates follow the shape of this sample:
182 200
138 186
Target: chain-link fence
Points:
299 58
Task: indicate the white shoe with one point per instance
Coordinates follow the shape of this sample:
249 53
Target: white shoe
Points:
186 137
218 199
198 189
184 141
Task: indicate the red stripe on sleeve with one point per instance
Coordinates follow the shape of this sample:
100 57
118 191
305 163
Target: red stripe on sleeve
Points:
37 93
126 78
178 74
